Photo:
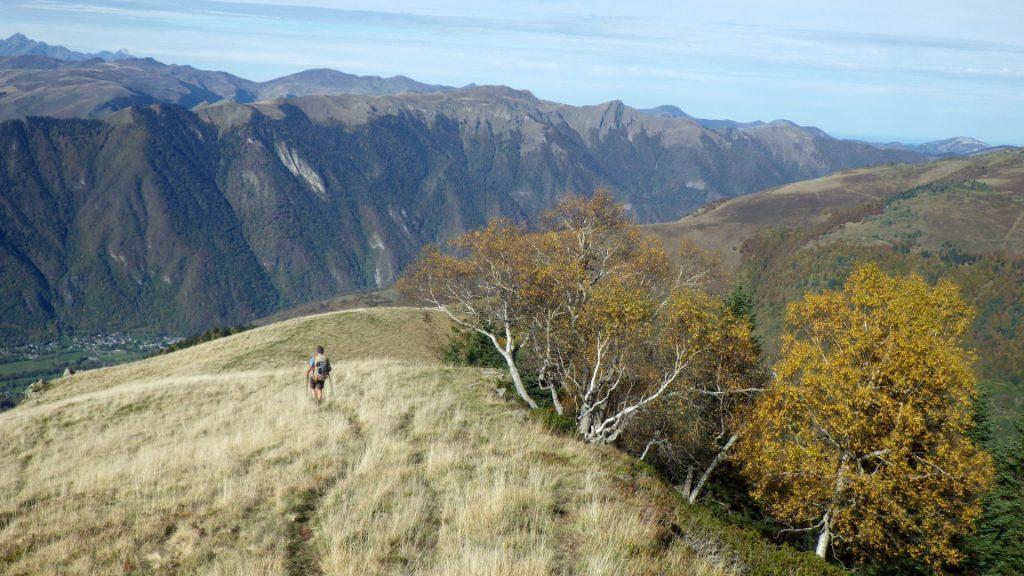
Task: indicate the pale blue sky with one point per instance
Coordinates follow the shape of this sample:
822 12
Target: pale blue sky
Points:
910 70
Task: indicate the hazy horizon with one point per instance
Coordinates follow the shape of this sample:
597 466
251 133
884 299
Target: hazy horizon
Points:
912 72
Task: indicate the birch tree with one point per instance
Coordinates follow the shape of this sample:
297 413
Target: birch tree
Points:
693 430
862 438
619 330
629 350
605 325
482 285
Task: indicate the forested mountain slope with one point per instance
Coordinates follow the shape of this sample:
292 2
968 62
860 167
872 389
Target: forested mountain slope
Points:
163 219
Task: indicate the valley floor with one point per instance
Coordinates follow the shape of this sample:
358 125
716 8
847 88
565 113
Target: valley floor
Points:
212 461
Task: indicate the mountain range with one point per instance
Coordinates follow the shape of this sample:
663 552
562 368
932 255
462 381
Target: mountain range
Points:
21 45
45 80
164 218
670 111
958 146
32 85
142 196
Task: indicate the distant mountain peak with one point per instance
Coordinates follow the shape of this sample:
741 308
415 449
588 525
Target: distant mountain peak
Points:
964 141
670 111
20 45
497 91
665 111
956 146
327 81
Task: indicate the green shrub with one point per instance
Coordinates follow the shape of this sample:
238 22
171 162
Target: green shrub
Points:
553 421
752 551
471 348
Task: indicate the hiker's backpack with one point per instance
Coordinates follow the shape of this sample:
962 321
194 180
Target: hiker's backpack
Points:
321 367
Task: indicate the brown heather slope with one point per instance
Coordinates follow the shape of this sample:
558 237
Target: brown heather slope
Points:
211 460
724 227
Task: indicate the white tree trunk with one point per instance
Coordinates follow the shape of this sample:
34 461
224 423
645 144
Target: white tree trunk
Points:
824 537
513 371
585 419
711 468
555 401
583 423
598 428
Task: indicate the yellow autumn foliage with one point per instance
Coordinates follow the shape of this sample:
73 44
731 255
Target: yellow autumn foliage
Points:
862 436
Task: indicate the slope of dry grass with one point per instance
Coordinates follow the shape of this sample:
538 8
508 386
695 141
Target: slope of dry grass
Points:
723 228
211 460
977 217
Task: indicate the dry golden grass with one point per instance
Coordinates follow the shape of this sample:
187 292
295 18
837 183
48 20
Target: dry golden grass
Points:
213 461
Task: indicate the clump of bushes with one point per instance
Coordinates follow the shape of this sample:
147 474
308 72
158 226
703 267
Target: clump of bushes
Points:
553 421
749 550
471 348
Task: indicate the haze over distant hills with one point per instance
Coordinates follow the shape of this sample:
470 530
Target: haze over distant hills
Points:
44 86
670 111
958 146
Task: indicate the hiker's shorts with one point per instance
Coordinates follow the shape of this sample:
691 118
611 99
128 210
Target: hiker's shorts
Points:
316 384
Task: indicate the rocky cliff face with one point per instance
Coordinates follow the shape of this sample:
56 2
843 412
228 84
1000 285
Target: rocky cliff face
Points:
165 219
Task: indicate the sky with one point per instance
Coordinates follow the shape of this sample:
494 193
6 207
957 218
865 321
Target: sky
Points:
903 70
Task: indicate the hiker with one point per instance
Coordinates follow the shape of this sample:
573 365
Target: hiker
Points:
317 372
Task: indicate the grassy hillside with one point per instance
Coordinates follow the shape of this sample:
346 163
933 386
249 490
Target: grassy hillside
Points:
725 226
960 219
211 460
371 299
